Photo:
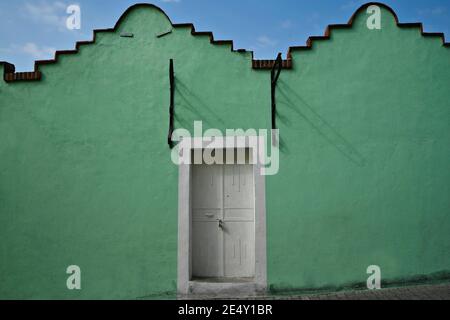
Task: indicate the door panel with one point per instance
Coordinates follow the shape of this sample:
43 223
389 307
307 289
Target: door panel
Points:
211 215
239 249
208 187
223 193
239 215
207 249
238 185
206 242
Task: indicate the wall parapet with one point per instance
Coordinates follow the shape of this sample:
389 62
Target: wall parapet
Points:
9 74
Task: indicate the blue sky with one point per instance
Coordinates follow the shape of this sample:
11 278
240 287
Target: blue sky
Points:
34 29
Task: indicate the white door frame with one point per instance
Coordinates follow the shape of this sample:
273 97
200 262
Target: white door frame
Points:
185 285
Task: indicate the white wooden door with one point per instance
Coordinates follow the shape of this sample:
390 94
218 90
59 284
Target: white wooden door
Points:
223 221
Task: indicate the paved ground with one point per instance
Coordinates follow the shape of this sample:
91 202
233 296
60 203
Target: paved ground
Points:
423 292
417 292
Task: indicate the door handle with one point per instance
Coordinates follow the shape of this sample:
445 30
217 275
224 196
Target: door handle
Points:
220 224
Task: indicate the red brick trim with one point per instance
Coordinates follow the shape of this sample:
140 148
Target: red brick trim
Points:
268 64
22 76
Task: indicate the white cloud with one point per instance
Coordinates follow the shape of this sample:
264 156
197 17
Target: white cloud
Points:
287 24
352 5
30 49
49 13
37 52
436 11
314 17
265 41
6 50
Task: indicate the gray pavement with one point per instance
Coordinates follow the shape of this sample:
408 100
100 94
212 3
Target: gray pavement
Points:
422 292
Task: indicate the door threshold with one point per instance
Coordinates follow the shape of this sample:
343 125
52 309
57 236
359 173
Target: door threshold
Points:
224 288
223 280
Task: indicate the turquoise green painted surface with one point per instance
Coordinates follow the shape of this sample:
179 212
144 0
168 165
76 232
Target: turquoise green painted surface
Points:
365 123
86 176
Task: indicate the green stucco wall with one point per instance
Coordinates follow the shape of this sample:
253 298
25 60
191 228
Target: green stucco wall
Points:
365 122
86 176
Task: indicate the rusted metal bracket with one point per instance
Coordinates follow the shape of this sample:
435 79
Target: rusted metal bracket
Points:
274 75
172 103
